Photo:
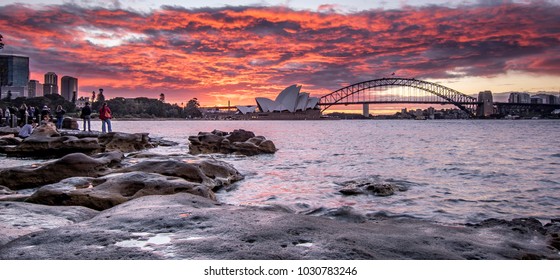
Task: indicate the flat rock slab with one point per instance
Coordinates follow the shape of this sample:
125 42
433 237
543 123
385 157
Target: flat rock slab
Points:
48 142
6 130
211 173
20 218
185 226
107 191
72 165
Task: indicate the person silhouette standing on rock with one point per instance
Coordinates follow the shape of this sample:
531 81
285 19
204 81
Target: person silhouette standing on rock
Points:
105 116
86 116
59 116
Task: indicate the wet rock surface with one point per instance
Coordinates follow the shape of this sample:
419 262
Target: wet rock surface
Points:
185 226
237 142
107 191
152 206
20 218
371 186
72 165
212 173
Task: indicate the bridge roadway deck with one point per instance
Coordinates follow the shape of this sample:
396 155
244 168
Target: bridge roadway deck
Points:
397 102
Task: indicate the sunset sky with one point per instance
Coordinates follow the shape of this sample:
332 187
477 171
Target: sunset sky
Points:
238 50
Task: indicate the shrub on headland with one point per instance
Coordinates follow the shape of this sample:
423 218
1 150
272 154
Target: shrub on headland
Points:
142 107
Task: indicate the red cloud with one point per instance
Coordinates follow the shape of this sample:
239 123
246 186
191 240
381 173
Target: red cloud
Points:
239 53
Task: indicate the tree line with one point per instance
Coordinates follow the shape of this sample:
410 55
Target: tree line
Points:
49 100
143 107
140 107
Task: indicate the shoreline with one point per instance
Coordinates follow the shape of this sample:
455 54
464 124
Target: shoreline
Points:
151 206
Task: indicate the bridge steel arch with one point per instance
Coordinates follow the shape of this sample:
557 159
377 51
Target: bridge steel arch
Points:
354 94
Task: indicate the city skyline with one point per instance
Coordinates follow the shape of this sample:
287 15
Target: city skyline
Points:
225 53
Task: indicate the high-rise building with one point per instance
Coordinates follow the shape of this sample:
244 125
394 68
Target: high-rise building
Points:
35 88
519 97
68 87
14 75
50 86
543 98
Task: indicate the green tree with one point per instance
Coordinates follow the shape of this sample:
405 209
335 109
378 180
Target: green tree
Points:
100 96
193 103
192 109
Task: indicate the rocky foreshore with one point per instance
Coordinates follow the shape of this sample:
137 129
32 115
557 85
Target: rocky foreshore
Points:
48 142
187 226
141 205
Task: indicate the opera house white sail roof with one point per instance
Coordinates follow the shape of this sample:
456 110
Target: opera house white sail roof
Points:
290 99
246 109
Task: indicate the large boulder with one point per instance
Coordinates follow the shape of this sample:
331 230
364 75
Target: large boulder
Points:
237 142
211 173
72 165
105 192
20 218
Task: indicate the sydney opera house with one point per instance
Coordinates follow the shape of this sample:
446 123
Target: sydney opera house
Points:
289 104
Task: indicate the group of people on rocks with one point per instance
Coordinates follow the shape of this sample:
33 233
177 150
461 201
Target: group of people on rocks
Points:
12 116
29 117
105 116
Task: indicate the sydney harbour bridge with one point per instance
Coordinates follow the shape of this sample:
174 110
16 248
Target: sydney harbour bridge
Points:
411 91
382 91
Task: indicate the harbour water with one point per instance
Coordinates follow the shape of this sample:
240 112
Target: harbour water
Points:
455 171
